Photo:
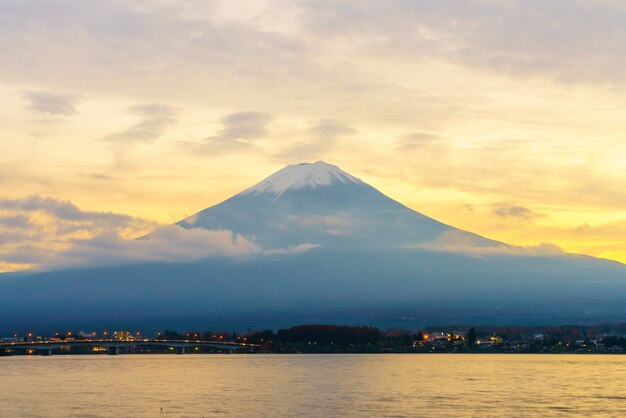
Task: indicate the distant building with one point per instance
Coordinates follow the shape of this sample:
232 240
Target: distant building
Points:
122 335
496 339
439 336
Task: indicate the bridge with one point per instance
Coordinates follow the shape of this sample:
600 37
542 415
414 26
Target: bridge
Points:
114 347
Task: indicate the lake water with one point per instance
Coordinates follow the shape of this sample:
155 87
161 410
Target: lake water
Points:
312 385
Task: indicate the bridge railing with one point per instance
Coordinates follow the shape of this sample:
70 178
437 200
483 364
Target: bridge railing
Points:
114 345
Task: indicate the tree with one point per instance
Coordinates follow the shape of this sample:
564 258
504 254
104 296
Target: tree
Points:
471 338
261 337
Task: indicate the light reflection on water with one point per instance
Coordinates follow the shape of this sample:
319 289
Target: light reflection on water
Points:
312 385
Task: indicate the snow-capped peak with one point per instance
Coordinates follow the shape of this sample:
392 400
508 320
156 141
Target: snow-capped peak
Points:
305 175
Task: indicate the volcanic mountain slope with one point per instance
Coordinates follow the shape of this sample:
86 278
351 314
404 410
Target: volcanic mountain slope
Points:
321 204
360 257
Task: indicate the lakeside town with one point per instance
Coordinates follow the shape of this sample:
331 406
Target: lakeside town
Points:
598 339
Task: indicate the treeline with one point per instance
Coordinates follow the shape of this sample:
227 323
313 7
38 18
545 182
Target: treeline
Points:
330 334
615 341
317 338
309 338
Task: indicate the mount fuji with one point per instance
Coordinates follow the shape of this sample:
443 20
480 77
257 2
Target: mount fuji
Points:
322 205
327 248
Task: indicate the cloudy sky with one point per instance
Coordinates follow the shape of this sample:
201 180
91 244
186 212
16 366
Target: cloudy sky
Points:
506 118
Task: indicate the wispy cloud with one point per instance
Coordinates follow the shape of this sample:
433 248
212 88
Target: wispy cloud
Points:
514 211
239 131
524 38
316 140
419 141
153 122
242 126
51 103
531 37
454 242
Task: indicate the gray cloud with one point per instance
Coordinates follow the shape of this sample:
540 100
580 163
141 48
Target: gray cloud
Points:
93 42
36 230
170 243
14 221
318 139
51 103
331 128
239 131
154 120
10 237
65 216
166 244
514 212
242 127
189 50
63 210
418 140
581 40
48 233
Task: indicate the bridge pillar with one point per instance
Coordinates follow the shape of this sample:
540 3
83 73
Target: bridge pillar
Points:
180 350
46 352
113 350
